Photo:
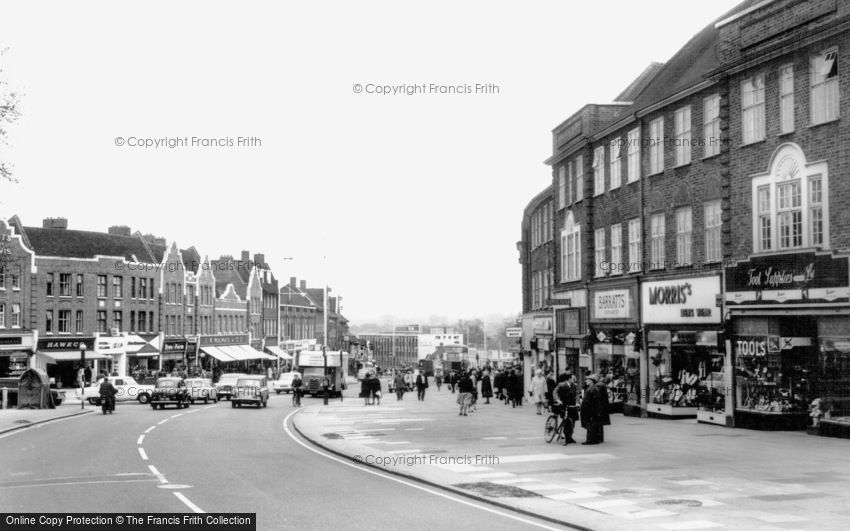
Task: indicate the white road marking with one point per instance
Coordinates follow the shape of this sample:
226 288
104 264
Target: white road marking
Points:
143 454
21 430
410 484
406 451
158 474
150 429
193 411
67 483
189 504
691 524
494 438
177 415
409 429
163 421
141 439
549 457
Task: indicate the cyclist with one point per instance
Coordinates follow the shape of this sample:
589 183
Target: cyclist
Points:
296 389
564 396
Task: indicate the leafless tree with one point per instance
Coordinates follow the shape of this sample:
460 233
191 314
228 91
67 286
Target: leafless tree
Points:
9 112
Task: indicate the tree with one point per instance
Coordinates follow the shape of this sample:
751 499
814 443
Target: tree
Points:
9 113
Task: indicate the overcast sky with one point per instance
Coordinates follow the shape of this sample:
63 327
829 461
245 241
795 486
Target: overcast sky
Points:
415 200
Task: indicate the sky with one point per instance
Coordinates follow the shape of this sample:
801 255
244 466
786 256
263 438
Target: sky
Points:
407 202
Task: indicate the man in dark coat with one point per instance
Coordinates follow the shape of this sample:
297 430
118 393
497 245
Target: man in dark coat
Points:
107 395
564 396
375 385
591 410
486 387
366 388
421 385
604 415
513 388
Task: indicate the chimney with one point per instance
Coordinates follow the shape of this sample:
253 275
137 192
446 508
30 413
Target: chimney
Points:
292 282
54 223
303 285
120 230
260 260
246 256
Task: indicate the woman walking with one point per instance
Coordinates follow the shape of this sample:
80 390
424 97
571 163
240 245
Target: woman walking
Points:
398 383
366 388
486 387
538 390
464 397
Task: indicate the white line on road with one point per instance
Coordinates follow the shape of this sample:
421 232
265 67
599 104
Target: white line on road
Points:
150 429
189 504
141 439
158 474
177 415
143 454
410 451
73 483
163 421
207 407
494 438
408 483
21 430
194 411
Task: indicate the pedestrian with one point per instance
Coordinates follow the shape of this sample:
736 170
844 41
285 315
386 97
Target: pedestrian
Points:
464 395
438 379
591 410
107 396
366 389
452 381
511 387
550 386
474 398
486 387
538 391
408 380
564 397
520 382
604 413
87 373
376 390
421 386
398 385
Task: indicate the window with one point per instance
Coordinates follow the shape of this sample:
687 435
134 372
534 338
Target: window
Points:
684 228
190 295
656 146
132 287
752 109
599 170
599 251
712 223
633 155
824 83
142 321
48 321
150 288
16 277
79 285
571 251
189 324
656 241
562 187
789 215
118 320
579 178
101 321
143 287
64 284
78 322
2 277
711 125
132 321
635 255
101 285
117 287
2 315
49 289
150 322
64 321
786 99
682 123
571 178
816 210
791 203
616 250
614 168
16 315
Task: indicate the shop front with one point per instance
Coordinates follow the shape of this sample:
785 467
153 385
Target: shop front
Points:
538 330
15 353
173 355
62 357
570 330
686 355
113 348
143 353
790 316
615 351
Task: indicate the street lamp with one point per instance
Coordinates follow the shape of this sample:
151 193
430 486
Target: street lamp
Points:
81 375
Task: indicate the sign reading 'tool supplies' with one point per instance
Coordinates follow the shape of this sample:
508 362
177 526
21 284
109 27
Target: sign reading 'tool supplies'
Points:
683 300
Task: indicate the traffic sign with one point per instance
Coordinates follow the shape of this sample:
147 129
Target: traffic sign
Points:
515 331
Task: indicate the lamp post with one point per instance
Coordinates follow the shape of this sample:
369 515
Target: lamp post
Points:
81 374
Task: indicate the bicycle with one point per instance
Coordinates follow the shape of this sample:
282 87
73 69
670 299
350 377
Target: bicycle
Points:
556 424
296 397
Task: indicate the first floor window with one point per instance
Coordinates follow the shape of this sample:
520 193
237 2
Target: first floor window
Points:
101 285
683 235
64 321
16 315
118 320
713 222
78 322
816 209
635 255
790 215
65 284
48 321
616 249
49 287
132 321
2 315
764 218
656 241
101 321
79 284
16 277
599 251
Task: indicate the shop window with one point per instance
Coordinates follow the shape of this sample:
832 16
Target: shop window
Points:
774 374
824 87
687 371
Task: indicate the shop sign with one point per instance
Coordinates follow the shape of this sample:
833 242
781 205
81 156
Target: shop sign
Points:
110 345
756 346
208 341
798 278
16 341
542 325
569 322
576 298
686 300
174 345
514 331
135 342
65 344
612 304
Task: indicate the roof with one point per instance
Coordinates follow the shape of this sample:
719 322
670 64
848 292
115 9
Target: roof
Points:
290 296
86 244
639 84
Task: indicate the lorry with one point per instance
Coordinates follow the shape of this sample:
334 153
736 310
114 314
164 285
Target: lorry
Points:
311 364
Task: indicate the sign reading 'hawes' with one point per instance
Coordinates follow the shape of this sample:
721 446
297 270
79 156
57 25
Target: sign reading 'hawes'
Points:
798 278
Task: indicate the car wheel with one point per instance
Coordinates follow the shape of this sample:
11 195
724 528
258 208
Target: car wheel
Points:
278 392
94 401
144 398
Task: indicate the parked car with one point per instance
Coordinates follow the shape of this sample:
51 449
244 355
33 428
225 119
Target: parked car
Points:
126 387
170 390
201 389
224 387
284 383
250 390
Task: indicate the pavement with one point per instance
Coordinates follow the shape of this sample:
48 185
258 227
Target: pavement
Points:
16 419
648 474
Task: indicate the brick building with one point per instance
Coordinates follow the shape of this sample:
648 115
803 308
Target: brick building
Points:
720 158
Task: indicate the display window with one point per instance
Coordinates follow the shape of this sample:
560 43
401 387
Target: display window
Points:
686 372
773 374
617 359
831 400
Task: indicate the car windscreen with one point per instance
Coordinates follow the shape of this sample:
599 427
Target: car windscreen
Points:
249 383
162 384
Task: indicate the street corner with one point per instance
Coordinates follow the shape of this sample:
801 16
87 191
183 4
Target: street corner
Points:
17 419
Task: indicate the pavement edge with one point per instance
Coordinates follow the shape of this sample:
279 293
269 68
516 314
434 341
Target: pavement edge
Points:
448 488
45 421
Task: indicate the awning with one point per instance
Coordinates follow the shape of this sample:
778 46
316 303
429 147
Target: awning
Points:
236 352
74 355
147 351
217 353
254 354
279 353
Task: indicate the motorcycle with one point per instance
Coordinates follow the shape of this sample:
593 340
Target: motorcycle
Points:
107 404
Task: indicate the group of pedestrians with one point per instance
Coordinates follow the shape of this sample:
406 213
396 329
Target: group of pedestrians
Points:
509 386
370 389
403 382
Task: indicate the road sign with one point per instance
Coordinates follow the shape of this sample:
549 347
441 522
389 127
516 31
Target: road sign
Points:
514 348
515 331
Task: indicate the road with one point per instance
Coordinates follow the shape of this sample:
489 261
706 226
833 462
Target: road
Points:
218 459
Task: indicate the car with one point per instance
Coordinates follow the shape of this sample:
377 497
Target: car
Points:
284 383
126 387
225 384
250 390
201 389
170 390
